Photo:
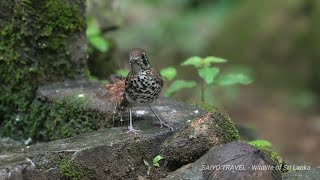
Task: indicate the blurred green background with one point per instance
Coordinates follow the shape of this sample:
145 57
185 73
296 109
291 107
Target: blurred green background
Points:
274 42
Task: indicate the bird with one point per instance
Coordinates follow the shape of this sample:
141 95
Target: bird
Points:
143 85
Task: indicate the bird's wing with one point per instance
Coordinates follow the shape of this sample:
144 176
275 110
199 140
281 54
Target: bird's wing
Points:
156 74
127 82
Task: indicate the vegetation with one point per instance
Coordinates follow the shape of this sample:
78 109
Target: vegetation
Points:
71 169
34 51
156 160
95 39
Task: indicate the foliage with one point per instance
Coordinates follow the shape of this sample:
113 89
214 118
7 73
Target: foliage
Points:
210 75
168 73
199 62
155 163
156 160
95 37
178 85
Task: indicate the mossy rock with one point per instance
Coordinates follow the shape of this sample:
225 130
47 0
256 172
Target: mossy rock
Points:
108 153
40 42
69 108
197 137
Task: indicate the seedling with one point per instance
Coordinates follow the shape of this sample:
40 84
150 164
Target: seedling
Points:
210 75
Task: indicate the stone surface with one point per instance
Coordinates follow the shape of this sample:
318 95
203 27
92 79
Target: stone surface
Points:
197 137
69 108
102 154
232 154
72 106
312 174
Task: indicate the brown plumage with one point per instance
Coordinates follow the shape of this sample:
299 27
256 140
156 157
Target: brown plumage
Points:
115 90
142 86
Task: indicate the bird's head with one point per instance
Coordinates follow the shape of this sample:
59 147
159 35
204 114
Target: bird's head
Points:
138 60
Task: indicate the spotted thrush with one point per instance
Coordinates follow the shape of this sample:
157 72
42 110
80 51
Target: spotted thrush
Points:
142 85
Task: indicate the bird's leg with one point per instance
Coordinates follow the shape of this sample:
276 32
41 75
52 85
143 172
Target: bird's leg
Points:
114 113
161 121
130 127
121 119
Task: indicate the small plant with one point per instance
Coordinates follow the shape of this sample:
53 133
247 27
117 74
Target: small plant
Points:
156 160
210 75
155 163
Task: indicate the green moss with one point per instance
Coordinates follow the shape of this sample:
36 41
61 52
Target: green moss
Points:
71 169
273 155
61 118
227 126
33 51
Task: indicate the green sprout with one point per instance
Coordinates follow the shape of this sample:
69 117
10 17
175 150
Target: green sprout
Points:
156 160
155 163
210 75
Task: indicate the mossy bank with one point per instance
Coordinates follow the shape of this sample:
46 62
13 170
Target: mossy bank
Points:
40 42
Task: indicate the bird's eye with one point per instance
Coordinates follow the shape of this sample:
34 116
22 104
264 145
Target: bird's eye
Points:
144 59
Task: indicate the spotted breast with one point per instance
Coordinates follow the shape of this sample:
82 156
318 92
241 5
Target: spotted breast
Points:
143 87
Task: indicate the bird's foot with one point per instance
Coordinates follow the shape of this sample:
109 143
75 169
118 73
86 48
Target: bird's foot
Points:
168 125
132 130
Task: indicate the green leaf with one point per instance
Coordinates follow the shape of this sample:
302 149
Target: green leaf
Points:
235 78
93 28
202 62
122 72
168 73
156 160
211 59
208 74
260 143
178 85
99 43
193 61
